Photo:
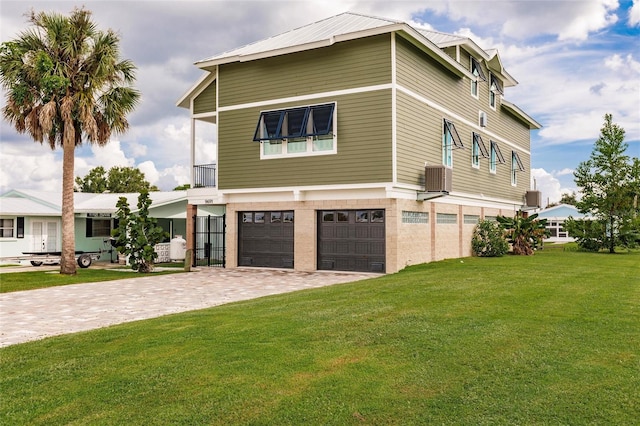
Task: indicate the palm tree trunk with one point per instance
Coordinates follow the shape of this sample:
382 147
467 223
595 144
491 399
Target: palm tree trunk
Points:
68 259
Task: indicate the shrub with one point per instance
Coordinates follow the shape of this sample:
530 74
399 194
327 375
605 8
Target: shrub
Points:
488 240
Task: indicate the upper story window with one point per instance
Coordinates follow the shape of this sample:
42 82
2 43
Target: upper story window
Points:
450 139
516 166
495 157
476 70
300 131
495 90
478 151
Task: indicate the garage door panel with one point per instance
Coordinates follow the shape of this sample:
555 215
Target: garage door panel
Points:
268 243
352 240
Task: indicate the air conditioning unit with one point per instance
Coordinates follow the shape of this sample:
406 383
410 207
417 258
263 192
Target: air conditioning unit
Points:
533 198
483 119
437 178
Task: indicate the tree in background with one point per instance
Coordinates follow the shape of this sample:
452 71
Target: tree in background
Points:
138 233
65 82
610 185
570 199
118 180
182 187
524 233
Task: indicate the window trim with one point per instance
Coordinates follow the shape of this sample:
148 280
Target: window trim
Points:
516 166
476 70
12 227
495 90
309 131
480 152
496 157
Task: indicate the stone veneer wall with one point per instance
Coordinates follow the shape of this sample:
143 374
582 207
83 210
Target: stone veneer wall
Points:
406 243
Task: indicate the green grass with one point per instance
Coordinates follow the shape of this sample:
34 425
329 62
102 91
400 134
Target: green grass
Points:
19 281
549 339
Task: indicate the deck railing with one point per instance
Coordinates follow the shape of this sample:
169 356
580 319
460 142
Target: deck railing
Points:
204 176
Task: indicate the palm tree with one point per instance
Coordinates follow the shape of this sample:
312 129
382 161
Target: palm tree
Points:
65 82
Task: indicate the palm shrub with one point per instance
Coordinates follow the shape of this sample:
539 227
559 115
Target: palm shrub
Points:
488 240
524 233
138 233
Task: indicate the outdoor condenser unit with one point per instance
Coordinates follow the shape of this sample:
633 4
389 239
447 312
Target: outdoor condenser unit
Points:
437 178
533 198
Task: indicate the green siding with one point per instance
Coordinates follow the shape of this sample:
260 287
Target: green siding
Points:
363 142
206 101
346 65
419 134
454 93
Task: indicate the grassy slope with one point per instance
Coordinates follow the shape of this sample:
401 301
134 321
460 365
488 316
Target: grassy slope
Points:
548 339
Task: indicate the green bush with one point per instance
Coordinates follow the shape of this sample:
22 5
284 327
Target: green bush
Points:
488 240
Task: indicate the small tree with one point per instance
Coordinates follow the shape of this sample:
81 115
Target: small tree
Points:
487 240
610 186
591 235
524 233
138 233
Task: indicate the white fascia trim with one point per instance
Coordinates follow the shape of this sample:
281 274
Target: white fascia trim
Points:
383 185
394 112
308 97
461 119
195 90
482 201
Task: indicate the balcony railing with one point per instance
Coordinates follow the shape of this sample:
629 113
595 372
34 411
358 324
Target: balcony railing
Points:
204 176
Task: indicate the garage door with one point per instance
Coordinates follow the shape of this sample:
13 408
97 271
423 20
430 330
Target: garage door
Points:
265 239
351 240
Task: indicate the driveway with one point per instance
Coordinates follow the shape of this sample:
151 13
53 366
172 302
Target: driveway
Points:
36 314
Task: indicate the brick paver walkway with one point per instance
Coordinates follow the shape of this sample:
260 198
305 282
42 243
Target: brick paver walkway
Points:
36 314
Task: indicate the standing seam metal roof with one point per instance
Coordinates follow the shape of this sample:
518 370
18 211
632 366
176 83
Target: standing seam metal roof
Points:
344 23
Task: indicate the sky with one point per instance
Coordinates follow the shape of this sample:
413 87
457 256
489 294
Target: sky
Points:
575 61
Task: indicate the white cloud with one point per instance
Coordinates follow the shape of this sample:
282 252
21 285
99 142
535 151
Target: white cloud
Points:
634 14
549 185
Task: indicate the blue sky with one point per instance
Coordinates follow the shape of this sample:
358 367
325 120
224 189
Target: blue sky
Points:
575 60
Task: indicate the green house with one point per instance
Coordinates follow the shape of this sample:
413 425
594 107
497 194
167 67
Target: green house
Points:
356 143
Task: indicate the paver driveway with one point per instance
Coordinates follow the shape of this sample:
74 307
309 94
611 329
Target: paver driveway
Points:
35 314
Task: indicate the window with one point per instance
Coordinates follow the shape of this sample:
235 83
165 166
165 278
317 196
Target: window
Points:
471 219
494 90
478 151
476 70
20 227
299 131
446 218
98 227
6 228
516 166
495 157
415 217
450 139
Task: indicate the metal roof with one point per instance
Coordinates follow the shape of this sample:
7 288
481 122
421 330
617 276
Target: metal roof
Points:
320 31
34 203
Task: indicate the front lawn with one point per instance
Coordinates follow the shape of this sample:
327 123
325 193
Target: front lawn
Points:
548 339
19 281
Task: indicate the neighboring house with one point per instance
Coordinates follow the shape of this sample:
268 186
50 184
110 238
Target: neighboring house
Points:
31 220
357 143
556 216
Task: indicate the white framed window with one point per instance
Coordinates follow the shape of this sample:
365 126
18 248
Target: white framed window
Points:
516 166
471 219
495 90
297 132
476 70
495 157
415 217
6 228
450 140
479 150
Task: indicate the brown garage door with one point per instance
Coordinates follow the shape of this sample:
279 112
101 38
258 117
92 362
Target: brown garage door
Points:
351 240
265 239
